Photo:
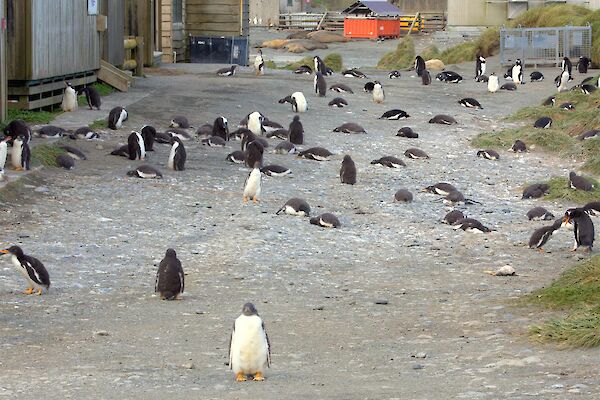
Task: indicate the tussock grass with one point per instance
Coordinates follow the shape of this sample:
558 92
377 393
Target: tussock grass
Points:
430 52
334 61
401 58
45 154
99 124
304 61
559 189
270 64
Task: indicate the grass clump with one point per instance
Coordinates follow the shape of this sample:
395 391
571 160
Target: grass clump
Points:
45 154
102 88
334 61
430 52
559 189
31 117
577 294
304 61
401 58
99 124
270 64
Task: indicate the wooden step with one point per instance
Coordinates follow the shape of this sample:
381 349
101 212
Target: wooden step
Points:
115 77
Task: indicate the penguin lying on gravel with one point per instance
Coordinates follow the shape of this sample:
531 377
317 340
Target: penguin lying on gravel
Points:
456 198
470 102
326 220
295 206
65 161
441 188
338 102
407 132
341 88
452 217
350 127
73 152
275 170
179 121
285 147
145 172
236 157
394 115
535 191
389 161
442 119
539 214
214 141
403 196
488 154
416 154
518 147
315 153
471 225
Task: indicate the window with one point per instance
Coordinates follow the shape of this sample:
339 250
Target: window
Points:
290 3
177 11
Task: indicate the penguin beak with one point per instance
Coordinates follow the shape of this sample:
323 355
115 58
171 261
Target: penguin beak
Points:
566 220
5 251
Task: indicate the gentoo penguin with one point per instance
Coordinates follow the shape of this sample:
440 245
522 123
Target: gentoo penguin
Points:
592 208
205 131
179 133
20 154
350 127
51 132
148 134
567 66
589 134
179 121
299 103
254 154
3 155
457 198
416 154
255 123
452 217
543 123
419 65
341 88
389 161
394 115
587 89
518 146
488 154
214 141
116 117
285 147
92 96
73 152
403 196
567 106
328 71
69 102
550 101
517 72
471 225
493 83
319 65
441 188
338 102
482 78
296 130
561 81
583 64
170 279
275 170
583 227
295 206
64 161
536 76
368 88
449 77
145 172
315 153
229 71
394 74
443 119
303 69
282 134
135 143
407 132
535 191
236 157
320 85
510 86
121 151
353 73
252 184
348 171
249 347
540 236
539 214
220 128
259 63
378 93
479 65
326 220
426 78
579 182
17 128
32 268
163 138
470 102
177 155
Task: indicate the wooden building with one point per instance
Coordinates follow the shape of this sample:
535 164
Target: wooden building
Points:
422 6
172 31
3 97
217 17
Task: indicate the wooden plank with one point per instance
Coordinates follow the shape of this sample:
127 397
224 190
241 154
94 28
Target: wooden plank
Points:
114 77
46 87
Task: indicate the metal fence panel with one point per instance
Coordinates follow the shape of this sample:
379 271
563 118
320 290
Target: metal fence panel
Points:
219 50
538 46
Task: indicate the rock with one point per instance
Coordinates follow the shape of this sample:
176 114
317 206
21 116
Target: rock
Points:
381 301
418 366
420 354
506 270
41 189
188 366
101 333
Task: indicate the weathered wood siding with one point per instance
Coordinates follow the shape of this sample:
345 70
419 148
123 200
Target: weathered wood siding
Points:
2 64
138 22
217 17
48 38
111 40
173 35
264 12
414 6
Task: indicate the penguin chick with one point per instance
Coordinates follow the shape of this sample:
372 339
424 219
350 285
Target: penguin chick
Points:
170 280
348 171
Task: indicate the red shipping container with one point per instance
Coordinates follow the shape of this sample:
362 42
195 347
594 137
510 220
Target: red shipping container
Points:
371 28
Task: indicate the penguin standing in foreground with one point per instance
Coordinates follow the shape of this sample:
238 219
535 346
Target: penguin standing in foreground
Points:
378 93
348 171
296 131
20 154
320 84
561 81
583 227
259 63
32 268
252 185
249 346
419 65
116 117
517 72
567 66
493 83
69 102
170 280
540 236
92 96
136 147
318 64
479 66
177 155
299 104
255 123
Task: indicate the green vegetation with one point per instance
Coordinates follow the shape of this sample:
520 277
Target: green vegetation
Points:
31 117
402 58
270 64
577 294
334 61
102 88
304 61
45 154
99 124
430 52
561 137
559 189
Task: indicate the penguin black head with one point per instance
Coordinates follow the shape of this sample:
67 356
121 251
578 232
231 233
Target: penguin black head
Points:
573 213
249 310
14 250
296 118
170 253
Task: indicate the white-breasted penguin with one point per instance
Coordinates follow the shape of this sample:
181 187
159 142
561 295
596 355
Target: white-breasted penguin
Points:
389 161
479 65
69 102
543 123
177 155
540 236
315 153
275 170
295 206
116 117
3 155
539 214
249 346
416 154
567 65
394 115
73 152
471 225
536 76
470 102
145 172
516 72
255 123
20 154
578 182
236 157
338 102
32 269
296 131
493 83
378 93
350 127
561 81
326 220
303 69
228 71
488 154
583 227
592 208
136 147
518 146
179 121
170 279
395 74
220 128
299 103
51 132
16 128
320 85
285 147
443 119
319 65
348 171
252 185
92 97
441 188
341 88
259 63
354 73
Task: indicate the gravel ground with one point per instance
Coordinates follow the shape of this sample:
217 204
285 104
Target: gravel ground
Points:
447 330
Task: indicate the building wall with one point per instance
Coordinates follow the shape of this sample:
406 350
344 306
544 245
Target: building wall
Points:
217 17
290 6
414 6
476 13
264 12
173 37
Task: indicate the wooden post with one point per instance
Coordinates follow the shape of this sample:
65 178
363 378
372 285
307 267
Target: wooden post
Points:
417 15
3 97
139 56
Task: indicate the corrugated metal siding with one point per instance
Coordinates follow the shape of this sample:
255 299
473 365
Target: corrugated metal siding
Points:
264 12
476 13
216 17
48 38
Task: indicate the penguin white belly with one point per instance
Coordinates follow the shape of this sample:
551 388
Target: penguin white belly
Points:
3 154
516 74
301 105
171 162
121 119
69 102
254 126
16 154
22 270
252 188
257 61
140 140
482 68
249 349
292 211
145 175
378 95
493 84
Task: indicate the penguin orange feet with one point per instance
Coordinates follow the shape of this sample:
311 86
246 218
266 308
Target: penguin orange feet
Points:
39 292
18 169
240 377
259 376
245 199
541 250
28 291
254 200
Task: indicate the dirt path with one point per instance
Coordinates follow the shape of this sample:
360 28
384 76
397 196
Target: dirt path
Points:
101 333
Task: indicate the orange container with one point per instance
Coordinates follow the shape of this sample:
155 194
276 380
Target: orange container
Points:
371 28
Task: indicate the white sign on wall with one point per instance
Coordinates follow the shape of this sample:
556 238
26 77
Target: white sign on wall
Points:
92 7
